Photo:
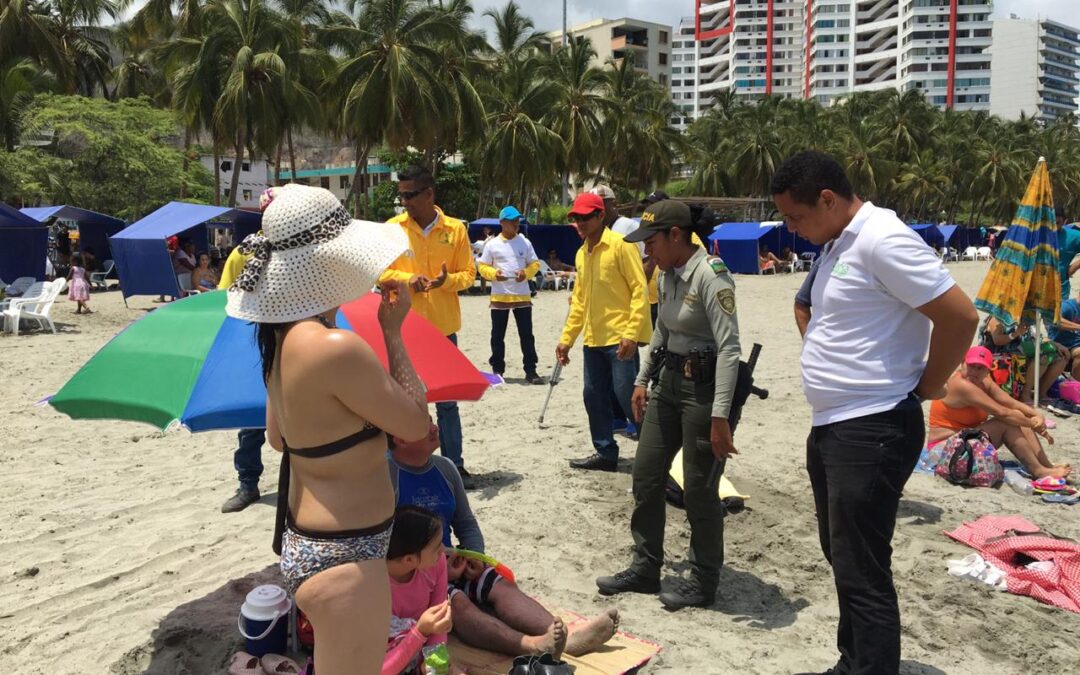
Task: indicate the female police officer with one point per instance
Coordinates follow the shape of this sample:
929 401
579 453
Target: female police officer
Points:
694 357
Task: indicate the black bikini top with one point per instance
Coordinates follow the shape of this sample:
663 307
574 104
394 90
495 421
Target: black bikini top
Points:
368 432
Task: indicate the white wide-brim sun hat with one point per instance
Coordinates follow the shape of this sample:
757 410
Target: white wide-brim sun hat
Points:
310 258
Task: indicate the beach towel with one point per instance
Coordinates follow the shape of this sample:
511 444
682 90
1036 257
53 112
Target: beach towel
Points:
622 654
1036 563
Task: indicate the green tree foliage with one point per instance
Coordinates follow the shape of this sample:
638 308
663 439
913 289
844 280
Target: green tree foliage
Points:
117 158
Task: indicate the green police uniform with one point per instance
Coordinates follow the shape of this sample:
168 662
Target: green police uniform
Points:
697 313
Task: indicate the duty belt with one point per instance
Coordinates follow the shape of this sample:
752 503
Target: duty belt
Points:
698 366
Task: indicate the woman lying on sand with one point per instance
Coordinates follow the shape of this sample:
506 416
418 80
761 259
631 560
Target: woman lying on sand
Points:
975 402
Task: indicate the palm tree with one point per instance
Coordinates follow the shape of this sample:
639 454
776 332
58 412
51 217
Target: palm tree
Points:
757 151
514 34
388 87
19 82
575 113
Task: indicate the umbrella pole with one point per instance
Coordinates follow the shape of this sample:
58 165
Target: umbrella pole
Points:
1038 356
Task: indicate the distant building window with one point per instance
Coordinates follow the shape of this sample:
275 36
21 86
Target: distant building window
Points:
226 190
663 37
226 165
247 195
324 182
246 166
663 80
343 182
663 58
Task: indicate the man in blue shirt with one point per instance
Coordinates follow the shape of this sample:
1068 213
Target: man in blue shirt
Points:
1068 248
1067 333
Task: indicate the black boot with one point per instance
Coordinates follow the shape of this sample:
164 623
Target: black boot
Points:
688 593
627 581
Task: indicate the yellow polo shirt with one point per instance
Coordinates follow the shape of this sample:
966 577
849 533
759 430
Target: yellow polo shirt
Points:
234 266
610 300
447 242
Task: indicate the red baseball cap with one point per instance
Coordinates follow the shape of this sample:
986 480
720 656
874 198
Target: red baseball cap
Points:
979 356
587 203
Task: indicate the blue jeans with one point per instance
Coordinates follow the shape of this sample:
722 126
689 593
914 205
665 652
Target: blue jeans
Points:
248 457
603 374
450 426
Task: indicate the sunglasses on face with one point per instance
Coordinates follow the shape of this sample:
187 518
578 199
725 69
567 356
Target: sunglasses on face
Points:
578 218
406 196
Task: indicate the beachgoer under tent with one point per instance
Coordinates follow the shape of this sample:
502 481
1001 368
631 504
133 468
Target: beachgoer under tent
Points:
974 401
1067 334
768 260
203 277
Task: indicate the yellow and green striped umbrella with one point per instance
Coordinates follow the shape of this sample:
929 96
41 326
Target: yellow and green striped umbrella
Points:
1024 279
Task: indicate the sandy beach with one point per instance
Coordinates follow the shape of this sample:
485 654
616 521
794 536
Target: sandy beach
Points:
115 557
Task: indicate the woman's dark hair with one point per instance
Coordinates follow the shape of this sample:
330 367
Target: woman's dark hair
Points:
76 260
266 337
704 222
201 254
414 528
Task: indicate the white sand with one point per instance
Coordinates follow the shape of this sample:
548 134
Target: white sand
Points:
114 556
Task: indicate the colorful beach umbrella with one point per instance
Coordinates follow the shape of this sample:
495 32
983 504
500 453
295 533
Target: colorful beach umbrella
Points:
1024 281
189 362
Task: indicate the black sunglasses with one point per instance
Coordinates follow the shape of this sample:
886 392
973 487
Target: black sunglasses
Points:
578 218
406 196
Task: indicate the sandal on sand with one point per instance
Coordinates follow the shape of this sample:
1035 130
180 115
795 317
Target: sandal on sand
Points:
245 664
1057 498
272 664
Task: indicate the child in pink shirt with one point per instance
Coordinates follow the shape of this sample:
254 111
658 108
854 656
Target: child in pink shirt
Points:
416 562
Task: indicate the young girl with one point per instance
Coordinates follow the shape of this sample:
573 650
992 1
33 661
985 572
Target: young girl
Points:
79 287
420 614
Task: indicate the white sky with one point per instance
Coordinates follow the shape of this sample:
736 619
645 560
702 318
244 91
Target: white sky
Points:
547 14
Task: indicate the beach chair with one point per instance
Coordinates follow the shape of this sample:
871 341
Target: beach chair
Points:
98 279
805 262
32 293
984 253
34 309
184 280
554 279
19 286
969 253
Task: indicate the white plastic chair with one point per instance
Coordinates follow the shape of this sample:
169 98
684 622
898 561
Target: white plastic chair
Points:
19 286
185 284
984 253
970 252
33 293
98 279
553 278
34 309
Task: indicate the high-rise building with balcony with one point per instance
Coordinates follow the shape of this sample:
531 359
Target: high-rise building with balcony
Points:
646 44
1036 66
828 49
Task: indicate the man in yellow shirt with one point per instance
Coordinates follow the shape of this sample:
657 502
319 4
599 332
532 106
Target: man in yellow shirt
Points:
437 266
610 306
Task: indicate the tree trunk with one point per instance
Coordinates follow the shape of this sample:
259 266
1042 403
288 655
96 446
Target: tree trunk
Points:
277 165
358 175
292 154
184 169
234 184
563 198
217 175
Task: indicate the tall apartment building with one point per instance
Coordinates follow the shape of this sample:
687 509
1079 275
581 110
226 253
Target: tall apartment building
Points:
827 49
1036 66
646 44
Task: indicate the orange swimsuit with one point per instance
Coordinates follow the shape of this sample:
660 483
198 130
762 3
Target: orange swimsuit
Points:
956 419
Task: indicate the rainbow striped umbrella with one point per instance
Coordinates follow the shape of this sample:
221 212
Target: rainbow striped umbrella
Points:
189 362
1024 281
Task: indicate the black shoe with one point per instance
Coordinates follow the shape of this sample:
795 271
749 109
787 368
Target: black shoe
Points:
627 581
595 462
533 378
687 593
830 671
466 478
240 501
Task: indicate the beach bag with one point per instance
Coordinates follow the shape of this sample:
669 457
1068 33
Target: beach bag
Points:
970 459
1008 373
1070 391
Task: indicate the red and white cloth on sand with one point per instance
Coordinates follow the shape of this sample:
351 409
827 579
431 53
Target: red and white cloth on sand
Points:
1012 544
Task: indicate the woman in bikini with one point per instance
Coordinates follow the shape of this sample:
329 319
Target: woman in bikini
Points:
203 277
329 407
975 402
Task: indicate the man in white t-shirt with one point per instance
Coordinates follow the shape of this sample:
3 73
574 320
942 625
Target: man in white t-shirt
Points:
508 261
887 326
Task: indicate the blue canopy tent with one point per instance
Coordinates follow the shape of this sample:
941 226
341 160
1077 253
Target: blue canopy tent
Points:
94 228
563 238
738 244
929 233
24 245
142 255
947 232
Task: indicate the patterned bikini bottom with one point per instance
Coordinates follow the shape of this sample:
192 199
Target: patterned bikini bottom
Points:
305 554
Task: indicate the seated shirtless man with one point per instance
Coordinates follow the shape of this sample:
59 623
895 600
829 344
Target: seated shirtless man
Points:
517 624
973 401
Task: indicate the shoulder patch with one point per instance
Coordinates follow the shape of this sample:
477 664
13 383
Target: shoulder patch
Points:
726 298
717 265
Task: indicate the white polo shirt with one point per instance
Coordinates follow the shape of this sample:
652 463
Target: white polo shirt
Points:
866 344
625 226
509 257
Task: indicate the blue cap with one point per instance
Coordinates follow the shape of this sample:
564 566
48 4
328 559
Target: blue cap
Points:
509 213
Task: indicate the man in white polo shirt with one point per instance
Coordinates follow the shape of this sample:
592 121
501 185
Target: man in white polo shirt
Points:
887 327
508 261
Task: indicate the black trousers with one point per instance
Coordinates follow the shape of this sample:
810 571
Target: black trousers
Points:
858 469
499 320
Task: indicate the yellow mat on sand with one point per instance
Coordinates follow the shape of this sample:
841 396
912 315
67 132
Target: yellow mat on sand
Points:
725 488
621 654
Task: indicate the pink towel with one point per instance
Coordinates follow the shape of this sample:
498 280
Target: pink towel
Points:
1011 543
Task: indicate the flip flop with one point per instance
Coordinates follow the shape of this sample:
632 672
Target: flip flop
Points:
1049 484
272 664
1068 500
245 664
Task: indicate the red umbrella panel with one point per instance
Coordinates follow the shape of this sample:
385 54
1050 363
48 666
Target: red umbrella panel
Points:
445 371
